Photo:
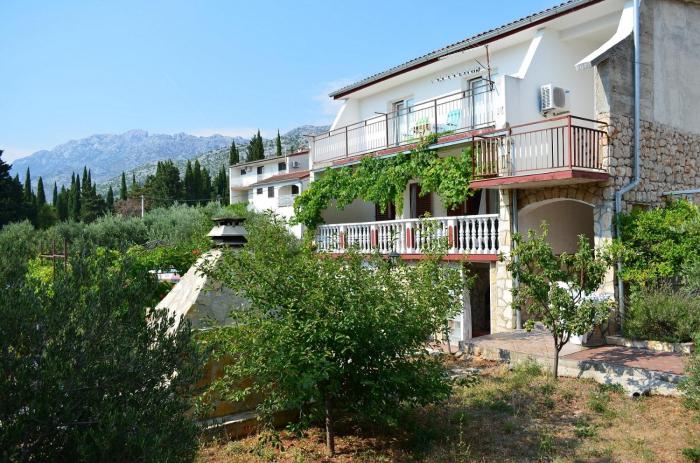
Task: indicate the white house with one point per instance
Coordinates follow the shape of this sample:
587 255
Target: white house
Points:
271 184
547 103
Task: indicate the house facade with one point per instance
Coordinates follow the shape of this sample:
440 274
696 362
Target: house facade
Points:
548 104
271 184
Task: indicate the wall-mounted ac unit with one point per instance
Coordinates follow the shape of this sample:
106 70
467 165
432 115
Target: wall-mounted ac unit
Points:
296 164
552 99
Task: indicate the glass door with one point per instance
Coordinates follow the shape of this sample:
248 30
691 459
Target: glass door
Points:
480 111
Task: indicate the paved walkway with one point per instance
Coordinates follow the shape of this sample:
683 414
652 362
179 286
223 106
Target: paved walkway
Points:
636 369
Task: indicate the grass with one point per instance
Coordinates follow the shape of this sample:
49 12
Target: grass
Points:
506 416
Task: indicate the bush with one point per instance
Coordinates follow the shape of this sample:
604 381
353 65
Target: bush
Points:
662 313
88 374
691 385
657 243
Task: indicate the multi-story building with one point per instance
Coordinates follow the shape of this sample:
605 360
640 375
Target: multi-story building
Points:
550 104
271 184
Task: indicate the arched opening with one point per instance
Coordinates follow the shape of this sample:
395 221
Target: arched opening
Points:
566 220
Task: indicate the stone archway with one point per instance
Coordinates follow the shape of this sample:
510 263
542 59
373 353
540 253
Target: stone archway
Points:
566 218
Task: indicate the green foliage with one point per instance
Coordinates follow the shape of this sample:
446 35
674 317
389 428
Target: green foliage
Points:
123 191
331 335
278 145
656 244
233 156
89 373
384 180
691 385
11 204
256 149
17 246
555 289
662 313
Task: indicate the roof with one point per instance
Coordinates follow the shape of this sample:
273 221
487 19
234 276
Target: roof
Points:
282 178
471 42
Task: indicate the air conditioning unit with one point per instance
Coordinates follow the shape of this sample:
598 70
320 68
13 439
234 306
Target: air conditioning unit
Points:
552 99
296 164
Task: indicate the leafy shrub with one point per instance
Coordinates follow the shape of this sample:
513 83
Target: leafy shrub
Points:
88 374
657 243
662 313
17 245
691 385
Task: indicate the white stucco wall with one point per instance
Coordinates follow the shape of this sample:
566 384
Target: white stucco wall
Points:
566 220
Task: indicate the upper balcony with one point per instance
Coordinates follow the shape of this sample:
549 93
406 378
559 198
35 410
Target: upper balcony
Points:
464 111
560 150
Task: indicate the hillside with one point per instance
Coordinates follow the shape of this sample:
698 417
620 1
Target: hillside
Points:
214 159
107 155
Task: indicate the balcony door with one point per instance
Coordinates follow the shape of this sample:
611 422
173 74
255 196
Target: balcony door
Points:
469 207
399 119
388 214
479 102
420 205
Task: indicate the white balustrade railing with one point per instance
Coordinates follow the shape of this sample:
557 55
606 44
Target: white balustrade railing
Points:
469 234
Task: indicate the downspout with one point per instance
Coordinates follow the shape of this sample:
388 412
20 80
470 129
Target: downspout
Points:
636 178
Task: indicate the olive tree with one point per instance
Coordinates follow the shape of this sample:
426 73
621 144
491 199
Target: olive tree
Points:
557 289
331 337
88 372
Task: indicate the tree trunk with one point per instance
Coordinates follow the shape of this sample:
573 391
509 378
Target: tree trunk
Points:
555 370
330 435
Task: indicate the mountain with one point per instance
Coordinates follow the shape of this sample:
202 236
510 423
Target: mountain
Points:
107 155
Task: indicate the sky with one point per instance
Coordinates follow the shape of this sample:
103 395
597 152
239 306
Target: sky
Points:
70 69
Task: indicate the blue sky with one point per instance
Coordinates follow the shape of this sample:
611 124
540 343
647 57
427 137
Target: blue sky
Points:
69 69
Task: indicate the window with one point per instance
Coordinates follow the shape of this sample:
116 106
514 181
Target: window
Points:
258 191
295 189
260 169
270 192
243 171
282 166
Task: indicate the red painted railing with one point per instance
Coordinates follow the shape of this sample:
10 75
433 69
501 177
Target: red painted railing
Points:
560 143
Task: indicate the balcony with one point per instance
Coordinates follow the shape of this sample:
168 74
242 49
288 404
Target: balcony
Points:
472 236
566 149
459 112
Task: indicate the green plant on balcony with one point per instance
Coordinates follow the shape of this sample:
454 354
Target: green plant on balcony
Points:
384 180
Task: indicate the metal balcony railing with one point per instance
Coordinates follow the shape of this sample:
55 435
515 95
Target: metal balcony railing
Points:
463 111
560 143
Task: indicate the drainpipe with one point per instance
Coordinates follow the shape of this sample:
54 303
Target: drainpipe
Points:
636 178
514 229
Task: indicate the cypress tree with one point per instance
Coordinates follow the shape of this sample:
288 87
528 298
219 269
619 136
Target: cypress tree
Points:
197 185
40 194
256 150
189 191
28 193
54 197
62 204
278 144
133 181
233 156
86 181
206 184
110 198
75 200
123 190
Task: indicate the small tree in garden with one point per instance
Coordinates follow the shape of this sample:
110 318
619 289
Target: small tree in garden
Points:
331 337
556 289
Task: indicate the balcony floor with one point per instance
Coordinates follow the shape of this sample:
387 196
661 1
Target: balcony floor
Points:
541 180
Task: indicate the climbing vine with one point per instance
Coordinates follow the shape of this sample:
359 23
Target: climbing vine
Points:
383 181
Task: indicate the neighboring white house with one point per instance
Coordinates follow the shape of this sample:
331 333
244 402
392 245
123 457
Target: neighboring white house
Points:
546 102
271 184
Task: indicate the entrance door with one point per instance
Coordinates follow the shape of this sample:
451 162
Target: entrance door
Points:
420 205
479 102
400 114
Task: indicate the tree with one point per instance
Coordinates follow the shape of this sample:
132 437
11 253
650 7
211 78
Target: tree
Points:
256 150
110 199
11 198
40 194
221 185
63 204
90 373
165 186
557 289
122 190
54 195
28 193
329 336
234 156
76 200
278 144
